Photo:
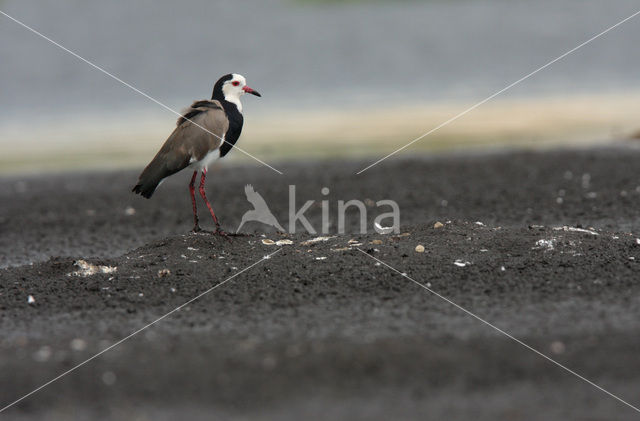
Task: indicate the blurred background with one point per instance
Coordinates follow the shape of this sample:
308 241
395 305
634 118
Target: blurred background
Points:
339 79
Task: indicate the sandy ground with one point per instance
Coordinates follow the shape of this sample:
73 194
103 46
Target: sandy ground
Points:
554 262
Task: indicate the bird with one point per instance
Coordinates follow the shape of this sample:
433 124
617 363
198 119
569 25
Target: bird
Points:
206 131
260 211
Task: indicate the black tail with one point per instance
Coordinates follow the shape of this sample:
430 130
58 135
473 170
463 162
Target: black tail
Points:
150 178
146 190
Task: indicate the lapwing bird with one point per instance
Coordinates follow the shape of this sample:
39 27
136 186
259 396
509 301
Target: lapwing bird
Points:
205 132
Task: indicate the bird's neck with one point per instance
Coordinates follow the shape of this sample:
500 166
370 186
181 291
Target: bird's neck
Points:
230 100
235 101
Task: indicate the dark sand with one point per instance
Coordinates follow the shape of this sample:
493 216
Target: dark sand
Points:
340 338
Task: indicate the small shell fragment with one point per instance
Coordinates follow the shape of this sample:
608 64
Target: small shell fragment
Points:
341 249
420 248
87 269
269 242
316 240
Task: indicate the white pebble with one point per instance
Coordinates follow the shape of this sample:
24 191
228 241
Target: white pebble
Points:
108 378
557 347
78 344
461 263
43 354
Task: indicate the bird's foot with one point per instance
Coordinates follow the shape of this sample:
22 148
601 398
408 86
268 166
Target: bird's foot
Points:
196 228
222 233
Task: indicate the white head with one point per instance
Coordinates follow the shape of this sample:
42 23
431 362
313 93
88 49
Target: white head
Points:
231 87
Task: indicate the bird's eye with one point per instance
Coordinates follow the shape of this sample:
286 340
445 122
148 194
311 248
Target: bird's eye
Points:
235 83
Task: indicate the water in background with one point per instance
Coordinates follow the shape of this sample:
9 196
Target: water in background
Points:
305 54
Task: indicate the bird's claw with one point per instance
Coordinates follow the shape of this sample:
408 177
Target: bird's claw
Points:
222 233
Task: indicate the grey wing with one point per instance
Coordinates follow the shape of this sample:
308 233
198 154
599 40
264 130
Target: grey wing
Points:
200 130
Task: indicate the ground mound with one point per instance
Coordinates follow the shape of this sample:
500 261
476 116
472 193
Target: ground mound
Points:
322 324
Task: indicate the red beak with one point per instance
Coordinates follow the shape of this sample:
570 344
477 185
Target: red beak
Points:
250 91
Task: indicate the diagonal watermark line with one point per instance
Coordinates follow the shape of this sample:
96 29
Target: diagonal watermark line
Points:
95 66
136 332
530 348
506 88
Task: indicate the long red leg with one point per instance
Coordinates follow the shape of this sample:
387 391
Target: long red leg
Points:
192 190
204 197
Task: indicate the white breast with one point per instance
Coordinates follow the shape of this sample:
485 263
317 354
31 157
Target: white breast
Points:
203 164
